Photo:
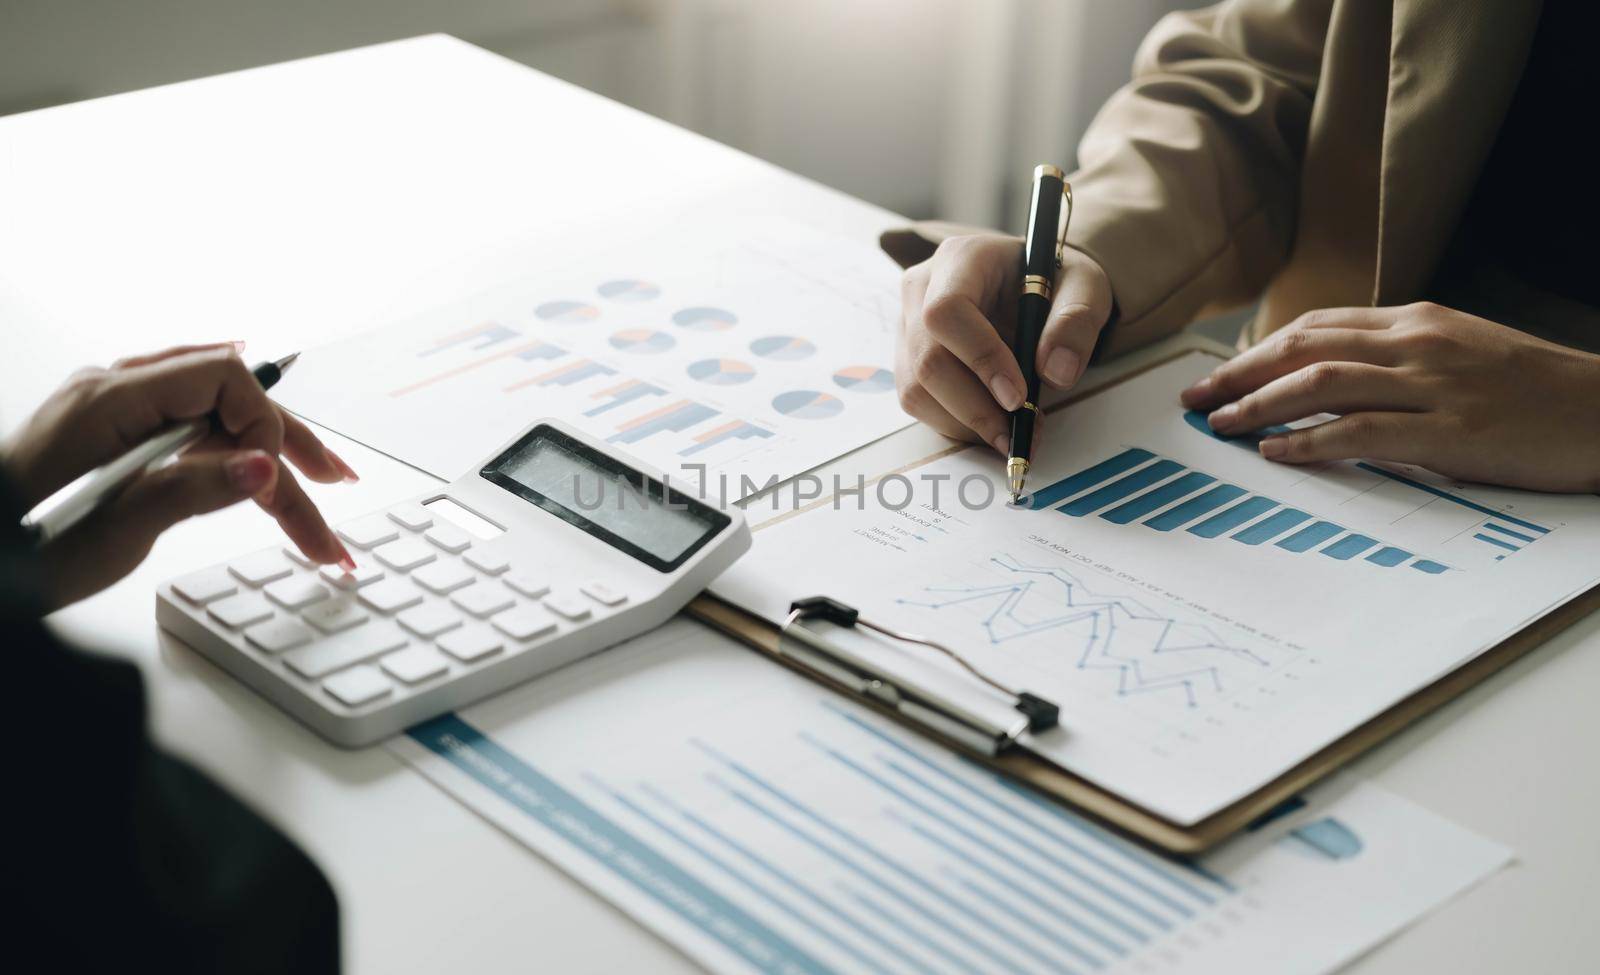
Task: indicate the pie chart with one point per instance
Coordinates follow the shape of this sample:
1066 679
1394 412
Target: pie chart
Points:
644 341
865 379
627 289
807 404
705 319
567 312
784 348
722 372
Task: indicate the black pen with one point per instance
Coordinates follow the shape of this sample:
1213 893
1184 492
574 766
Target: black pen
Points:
1041 258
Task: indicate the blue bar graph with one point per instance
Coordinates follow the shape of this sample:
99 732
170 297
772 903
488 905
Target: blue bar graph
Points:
1271 527
1506 531
1195 507
1309 538
1233 517
1498 542
1158 497
1452 498
1389 556
1061 490
1121 488
1432 568
1349 546
678 416
623 393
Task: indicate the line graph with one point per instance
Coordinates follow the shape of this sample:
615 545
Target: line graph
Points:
1147 650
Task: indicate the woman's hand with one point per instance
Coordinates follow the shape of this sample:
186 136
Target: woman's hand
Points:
953 364
1418 384
101 413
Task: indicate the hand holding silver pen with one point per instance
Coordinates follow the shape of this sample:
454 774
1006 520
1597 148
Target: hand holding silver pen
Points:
105 451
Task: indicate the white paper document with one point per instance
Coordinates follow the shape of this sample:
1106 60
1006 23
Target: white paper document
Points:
1205 618
739 360
761 824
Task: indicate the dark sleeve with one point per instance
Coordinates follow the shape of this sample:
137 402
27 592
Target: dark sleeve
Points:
127 856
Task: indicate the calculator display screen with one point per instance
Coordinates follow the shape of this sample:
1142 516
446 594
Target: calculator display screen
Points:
635 514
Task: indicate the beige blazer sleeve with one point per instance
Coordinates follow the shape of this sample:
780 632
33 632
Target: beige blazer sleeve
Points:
1189 175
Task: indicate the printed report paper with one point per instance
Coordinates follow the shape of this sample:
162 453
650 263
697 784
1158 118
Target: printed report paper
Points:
762 824
1205 618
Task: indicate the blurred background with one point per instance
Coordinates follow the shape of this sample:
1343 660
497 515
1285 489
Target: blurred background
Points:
916 105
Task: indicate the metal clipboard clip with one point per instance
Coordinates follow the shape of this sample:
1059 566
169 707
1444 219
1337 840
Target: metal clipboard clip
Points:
812 651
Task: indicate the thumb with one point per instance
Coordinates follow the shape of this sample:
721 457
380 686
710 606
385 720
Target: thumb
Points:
1078 312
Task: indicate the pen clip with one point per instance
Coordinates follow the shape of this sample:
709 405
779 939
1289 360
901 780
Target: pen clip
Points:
1061 224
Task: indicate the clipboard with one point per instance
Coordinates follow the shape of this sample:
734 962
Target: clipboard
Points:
1110 809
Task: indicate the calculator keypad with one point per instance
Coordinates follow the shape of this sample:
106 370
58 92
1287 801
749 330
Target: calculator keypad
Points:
423 604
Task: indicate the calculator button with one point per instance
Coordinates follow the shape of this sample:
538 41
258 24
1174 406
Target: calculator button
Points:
412 516
258 570
276 636
203 587
448 537
483 600
567 605
429 621
242 610
486 561
390 596
340 579
357 686
369 531
296 593
341 650
335 615
299 558
405 555
529 584
525 623
470 645
442 577
414 665
604 594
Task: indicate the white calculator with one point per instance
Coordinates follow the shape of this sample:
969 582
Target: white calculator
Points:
557 547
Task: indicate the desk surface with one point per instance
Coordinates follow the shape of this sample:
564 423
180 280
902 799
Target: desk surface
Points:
292 204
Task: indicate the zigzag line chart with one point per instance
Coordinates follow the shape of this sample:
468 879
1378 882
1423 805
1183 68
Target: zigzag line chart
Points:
1148 651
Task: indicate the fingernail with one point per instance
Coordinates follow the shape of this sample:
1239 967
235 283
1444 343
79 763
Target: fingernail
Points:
1001 443
347 563
350 476
1273 448
1223 418
1005 392
1061 367
248 472
1196 393
238 346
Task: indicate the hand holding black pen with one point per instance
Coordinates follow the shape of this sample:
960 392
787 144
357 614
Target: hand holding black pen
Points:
1042 257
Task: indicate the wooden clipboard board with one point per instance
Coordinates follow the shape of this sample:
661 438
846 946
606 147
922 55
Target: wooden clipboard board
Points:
1129 818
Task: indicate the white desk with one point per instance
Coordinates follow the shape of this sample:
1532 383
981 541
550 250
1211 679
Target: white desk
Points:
292 204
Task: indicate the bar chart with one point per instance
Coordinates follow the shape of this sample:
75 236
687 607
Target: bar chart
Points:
567 312
565 375
621 394
534 351
477 338
732 430
672 418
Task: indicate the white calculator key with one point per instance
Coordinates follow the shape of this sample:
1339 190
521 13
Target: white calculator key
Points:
296 593
485 560
430 620
471 644
413 665
405 555
390 596
568 605
341 650
203 587
369 531
442 577
335 615
241 610
525 622
483 600
529 584
299 558
412 516
603 594
340 579
276 636
358 685
260 569
448 537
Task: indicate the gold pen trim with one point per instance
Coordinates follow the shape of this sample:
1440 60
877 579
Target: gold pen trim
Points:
1036 284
